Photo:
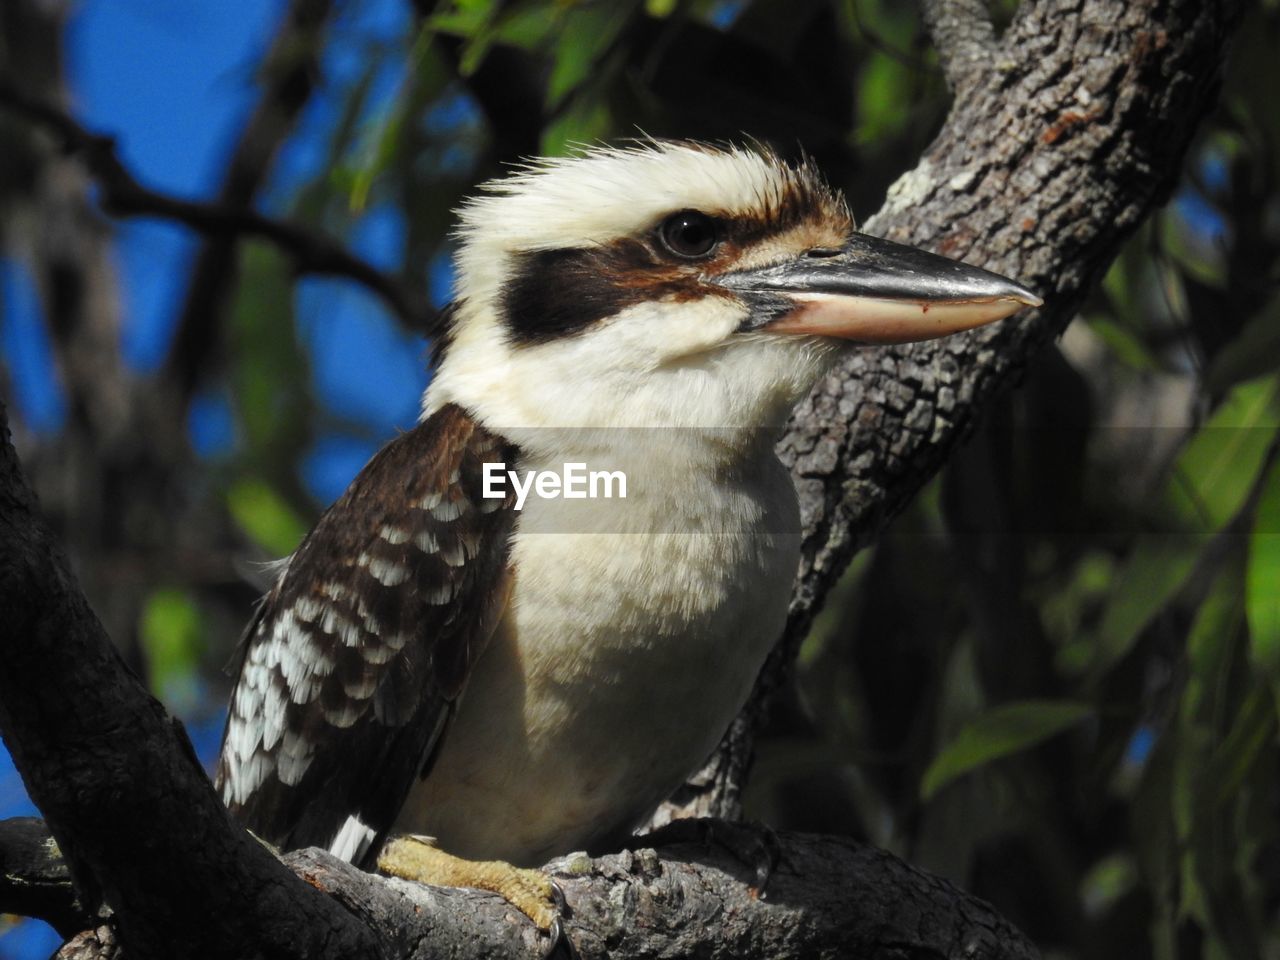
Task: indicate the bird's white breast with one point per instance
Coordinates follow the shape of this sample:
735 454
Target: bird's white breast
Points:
621 660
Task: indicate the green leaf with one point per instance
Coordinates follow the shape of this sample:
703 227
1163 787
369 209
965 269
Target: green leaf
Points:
999 732
265 517
1262 579
1252 731
1219 467
1107 881
269 373
588 33
467 19
1157 566
172 637
1121 283
1201 259
528 29
880 112
1210 483
588 119
471 20
1211 644
1122 342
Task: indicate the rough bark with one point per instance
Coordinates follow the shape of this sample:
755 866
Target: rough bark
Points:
118 782
828 898
687 895
1064 134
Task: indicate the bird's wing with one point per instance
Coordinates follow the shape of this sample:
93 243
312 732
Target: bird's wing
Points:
355 658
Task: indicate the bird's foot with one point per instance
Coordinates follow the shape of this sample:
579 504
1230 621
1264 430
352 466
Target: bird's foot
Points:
532 892
753 844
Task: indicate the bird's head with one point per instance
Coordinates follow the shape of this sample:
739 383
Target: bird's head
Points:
679 285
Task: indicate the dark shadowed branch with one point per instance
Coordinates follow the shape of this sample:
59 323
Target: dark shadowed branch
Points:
122 195
120 787
288 77
34 879
688 895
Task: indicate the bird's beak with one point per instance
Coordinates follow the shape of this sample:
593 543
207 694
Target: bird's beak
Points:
875 291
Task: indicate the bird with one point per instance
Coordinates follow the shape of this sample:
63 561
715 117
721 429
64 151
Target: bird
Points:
520 678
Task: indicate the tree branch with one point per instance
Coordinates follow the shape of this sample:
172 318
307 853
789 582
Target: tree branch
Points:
686 895
964 37
119 783
1067 138
288 75
124 196
828 897
34 879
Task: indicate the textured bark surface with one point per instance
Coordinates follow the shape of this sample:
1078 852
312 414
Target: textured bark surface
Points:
828 897
688 897
119 785
1063 135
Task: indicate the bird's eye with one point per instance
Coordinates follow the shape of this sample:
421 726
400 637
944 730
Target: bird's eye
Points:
689 234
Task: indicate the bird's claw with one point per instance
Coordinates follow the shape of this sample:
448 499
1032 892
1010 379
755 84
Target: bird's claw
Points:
532 892
558 941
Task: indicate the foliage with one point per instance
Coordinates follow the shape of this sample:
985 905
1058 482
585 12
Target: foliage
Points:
1056 679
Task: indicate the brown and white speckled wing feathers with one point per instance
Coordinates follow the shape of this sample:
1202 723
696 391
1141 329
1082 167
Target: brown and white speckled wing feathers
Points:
355 658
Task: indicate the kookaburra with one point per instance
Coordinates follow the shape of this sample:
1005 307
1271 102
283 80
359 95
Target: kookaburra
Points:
522 683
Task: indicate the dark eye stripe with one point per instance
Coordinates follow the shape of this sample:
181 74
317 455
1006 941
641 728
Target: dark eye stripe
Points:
556 293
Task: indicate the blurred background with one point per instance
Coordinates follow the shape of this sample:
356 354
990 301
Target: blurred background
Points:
1054 680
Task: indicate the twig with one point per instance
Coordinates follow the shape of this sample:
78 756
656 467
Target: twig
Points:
124 196
288 78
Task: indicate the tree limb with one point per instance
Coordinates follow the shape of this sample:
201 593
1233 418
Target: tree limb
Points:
124 196
686 895
34 879
828 897
144 833
1068 136
119 783
288 76
964 37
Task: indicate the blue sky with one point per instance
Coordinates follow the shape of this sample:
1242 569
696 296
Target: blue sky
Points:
174 81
